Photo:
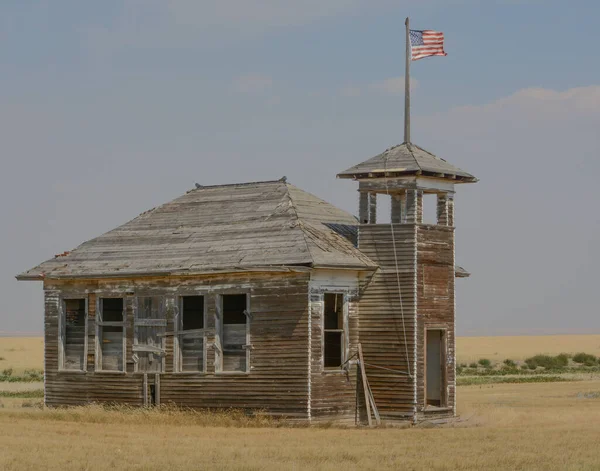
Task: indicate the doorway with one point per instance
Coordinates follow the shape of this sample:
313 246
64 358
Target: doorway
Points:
435 361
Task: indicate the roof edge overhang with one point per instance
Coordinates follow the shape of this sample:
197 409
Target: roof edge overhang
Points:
83 276
454 178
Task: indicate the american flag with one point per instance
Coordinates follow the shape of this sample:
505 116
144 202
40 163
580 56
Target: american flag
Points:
426 43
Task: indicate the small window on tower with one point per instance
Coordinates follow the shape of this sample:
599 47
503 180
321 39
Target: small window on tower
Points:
334 331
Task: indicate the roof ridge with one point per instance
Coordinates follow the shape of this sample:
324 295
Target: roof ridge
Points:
409 148
201 187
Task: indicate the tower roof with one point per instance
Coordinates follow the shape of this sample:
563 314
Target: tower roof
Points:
240 227
407 159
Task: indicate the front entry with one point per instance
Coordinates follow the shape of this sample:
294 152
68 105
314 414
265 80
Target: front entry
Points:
434 368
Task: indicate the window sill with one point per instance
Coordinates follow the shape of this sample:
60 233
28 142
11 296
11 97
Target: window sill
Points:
436 409
185 373
333 371
232 373
71 372
108 372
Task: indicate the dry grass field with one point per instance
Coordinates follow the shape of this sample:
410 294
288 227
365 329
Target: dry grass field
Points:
21 353
536 426
517 348
548 426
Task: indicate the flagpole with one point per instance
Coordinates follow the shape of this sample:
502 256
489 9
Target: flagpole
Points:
407 86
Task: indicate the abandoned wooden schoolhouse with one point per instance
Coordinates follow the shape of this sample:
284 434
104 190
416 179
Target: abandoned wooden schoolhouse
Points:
261 296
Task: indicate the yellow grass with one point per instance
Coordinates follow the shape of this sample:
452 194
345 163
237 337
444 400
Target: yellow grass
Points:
497 349
21 353
548 426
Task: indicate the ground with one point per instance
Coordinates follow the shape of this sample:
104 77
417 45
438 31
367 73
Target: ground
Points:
554 425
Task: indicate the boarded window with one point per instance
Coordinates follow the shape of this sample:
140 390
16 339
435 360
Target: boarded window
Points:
333 330
149 333
111 332
74 334
234 332
191 335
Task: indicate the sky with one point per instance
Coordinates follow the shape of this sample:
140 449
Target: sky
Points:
110 108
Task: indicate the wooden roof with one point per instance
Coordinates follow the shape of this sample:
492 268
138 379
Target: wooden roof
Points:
407 159
240 227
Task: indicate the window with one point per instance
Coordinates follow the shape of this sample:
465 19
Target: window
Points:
149 327
233 333
334 331
435 377
73 335
110 334
190 338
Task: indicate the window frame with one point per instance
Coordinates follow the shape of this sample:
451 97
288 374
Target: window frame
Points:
344 330
178 331
62 329
100 323
219 333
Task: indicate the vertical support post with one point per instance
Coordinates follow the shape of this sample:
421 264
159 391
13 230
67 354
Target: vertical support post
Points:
397 209
372 208
450 210
419 211
145 387
363 207
363 376
442 209
157 389
407 85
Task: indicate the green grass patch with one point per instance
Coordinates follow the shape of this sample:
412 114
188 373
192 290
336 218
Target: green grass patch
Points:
28 376
476 380
33 394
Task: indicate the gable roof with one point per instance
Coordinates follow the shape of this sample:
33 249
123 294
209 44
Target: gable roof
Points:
247 226
407 159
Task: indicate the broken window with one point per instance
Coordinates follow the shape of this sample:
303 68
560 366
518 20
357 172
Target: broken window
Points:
334 336
233 332
190 334
74 335
149 324
110 332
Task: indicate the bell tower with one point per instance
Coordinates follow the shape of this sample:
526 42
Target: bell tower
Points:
407 311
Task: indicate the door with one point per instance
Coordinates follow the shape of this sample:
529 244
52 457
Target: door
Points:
434 366
149 334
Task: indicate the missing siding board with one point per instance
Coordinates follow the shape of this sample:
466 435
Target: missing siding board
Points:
333 329
74 356
234 332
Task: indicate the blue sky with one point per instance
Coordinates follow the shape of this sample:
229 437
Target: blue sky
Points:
110 108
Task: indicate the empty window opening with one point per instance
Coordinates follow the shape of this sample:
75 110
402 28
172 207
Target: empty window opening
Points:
384 209
74 335
191 335
234 332
429 208
333 330
111 330
150 324
435 374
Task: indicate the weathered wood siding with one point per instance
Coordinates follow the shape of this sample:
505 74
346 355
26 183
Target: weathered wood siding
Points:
278 380
387 325
435 292
333 392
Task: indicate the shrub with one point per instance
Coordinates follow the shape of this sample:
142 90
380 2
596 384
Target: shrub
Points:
2 358
7 372
485 362
547 361
459 370
510 363
585 359
472 365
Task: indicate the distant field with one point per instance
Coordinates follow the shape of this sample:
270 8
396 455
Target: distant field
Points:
21 353
497 349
